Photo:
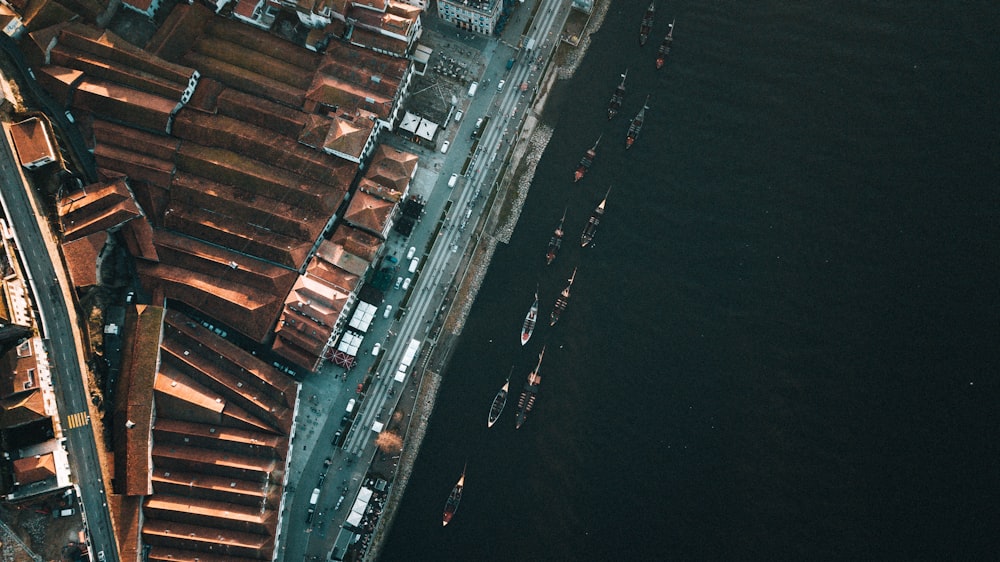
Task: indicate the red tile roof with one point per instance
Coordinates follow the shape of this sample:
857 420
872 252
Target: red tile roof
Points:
369 212
128 105
81 258
31 139
357 242
34 469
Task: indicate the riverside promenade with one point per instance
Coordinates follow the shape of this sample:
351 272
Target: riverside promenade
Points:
496 226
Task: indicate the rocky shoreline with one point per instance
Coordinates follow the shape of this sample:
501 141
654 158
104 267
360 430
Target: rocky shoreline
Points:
527 150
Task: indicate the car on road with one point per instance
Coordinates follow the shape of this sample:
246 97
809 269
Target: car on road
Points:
453 180
411 252
388 311
336 439
376 348
406 283
444 146
500 85
399 281
458 116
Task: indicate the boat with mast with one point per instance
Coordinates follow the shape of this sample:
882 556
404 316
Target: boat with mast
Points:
529 321
647 24
616 98
664 50
555 242
499 401
586 161
528 394
451 506
636 126
562 301
595 219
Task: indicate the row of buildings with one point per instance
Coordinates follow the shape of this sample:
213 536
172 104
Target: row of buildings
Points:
244 177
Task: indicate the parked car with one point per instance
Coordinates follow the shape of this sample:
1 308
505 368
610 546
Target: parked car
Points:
406 283
500 85
444 146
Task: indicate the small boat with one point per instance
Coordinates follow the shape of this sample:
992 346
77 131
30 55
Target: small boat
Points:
595 219
586 161
529 321
451 506
499 401
636 125
616 98
555 242
528 394
661 54
562 301
647 24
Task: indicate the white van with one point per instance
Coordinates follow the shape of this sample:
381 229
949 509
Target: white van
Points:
376 348
413 265
388 310
453 180
411 252
350 405
458 116
472 88
406 283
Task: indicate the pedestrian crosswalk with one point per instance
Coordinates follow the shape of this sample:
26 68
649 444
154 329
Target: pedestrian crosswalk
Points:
77 419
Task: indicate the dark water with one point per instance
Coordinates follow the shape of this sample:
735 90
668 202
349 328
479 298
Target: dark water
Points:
784 343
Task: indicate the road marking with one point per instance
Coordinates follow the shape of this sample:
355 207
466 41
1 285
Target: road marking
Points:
77 419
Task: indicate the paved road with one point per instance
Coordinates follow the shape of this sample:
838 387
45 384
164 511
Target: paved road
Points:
68 380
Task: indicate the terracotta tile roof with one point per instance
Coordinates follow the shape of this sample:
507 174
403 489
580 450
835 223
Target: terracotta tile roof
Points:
93 198
19 410
340 257
214 462
181 27
315 299
228 439
103 69
216 263
392 168
34 469
180 396
125 512
259 143
153 199
348 136
58 81
302 224
370 71
256 40
369 212
138 236
247 8
138 167
141 142
31 139
334 91
167 554
230 544
210 513
254 372
128 105
230 232
140 345
245 79
241 492
81 258
106 45
245 309
294 354
356 241
264 113
227 167
277 69
344 281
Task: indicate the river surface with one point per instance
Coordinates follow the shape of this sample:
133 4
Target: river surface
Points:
784 341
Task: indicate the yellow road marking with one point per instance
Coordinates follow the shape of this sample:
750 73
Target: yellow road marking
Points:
77 419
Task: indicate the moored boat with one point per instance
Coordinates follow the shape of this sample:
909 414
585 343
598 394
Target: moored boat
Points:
529 321
528 394
555 242
664 50
595 219
562 301
499 401
586 162
636 126
616 98
451 506
647 24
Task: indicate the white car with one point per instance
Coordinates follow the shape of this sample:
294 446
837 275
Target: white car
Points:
453 180
444 146
500 85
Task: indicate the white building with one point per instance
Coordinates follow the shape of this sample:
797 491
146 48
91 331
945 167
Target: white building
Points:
479 16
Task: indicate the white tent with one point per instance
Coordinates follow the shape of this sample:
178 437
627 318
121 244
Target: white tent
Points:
354 519
427 129
409 122
377 427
